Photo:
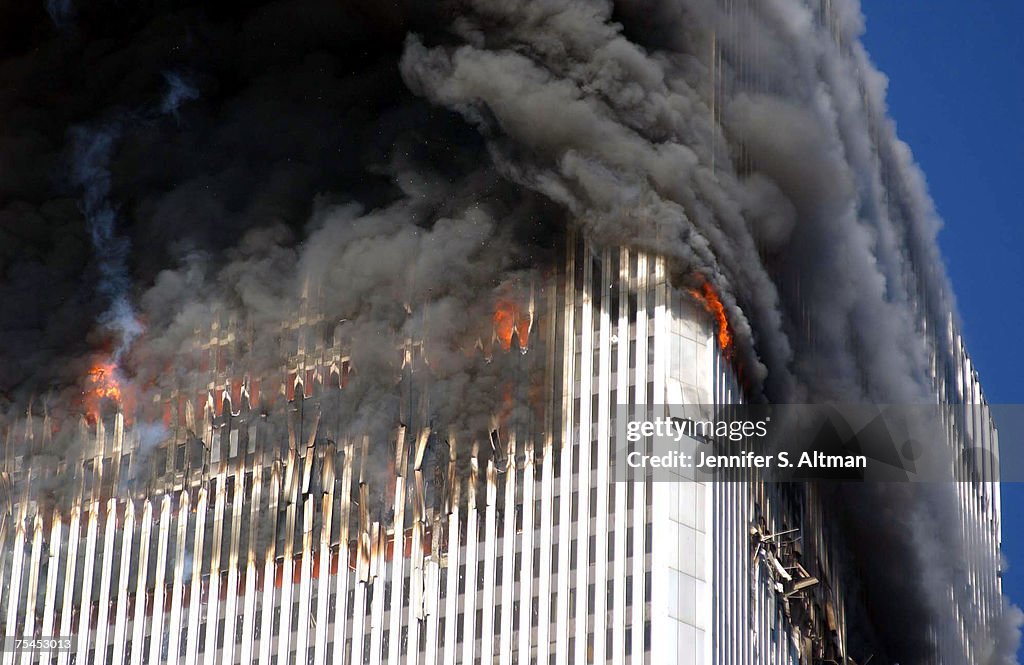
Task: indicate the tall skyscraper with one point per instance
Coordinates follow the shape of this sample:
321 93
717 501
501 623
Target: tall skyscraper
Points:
345 498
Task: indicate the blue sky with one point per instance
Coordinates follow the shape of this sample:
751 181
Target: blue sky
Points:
956 91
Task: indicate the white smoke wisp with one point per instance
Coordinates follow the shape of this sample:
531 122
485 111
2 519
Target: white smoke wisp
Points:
1005 637
179 91
91 172
61 12
92 151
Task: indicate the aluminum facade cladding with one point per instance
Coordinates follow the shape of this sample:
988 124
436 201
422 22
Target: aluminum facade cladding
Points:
252 538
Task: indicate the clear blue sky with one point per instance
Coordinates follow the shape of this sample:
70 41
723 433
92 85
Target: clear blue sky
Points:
956 90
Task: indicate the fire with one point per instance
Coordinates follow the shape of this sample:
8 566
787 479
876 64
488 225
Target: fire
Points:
511 319
707 296
505 314
102 383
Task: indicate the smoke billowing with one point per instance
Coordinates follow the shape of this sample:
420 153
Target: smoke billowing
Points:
409 161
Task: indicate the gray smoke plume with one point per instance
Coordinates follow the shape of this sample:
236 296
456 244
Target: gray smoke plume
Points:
91 172
60 11
178 92
394 167
92 149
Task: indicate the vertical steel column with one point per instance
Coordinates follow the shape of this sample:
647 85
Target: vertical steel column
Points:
398 550
452 602
636 621
33 580
84 609
52 577
569 435
508 541
490 527
341 597
157 630
250 594
324 558
525 585
178 582
139 618
17 565
600 477
121 618
472 559
213 587
234 559
196 589
619 590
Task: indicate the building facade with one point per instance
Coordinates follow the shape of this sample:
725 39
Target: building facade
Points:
249 537
251 529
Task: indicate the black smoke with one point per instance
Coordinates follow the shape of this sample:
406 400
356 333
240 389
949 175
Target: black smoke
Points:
253 113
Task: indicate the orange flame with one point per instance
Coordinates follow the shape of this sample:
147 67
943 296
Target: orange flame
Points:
102 384
713 304
510 319
505 315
